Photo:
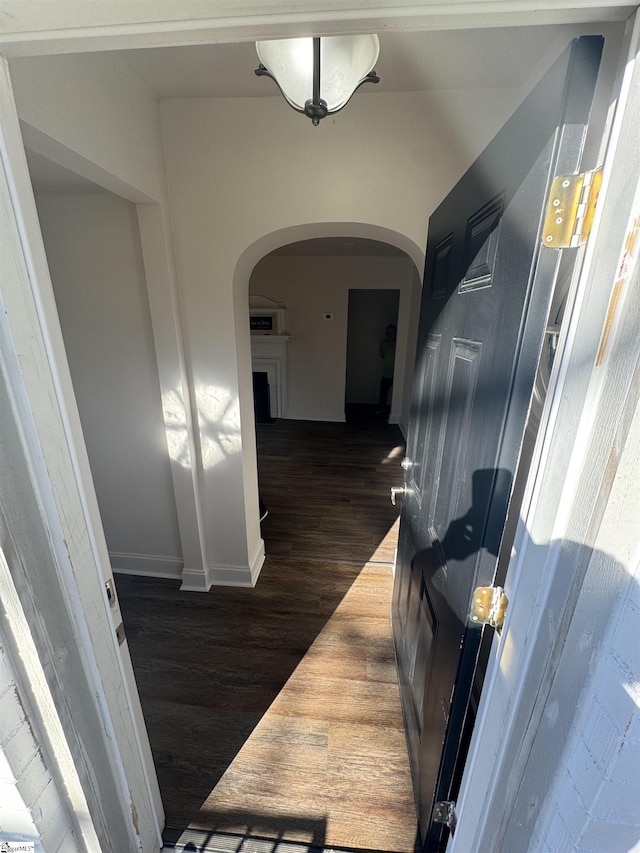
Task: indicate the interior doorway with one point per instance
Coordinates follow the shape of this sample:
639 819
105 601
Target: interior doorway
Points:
370 313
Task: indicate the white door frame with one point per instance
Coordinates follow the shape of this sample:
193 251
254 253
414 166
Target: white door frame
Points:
73 624
586 412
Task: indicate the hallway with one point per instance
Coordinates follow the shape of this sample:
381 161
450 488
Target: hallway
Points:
274 712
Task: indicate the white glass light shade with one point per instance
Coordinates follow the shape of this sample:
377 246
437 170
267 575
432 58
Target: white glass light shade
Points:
344 63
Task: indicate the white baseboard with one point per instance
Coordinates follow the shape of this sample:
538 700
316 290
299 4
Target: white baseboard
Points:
243 576
147 565
196 580
302 415
257 562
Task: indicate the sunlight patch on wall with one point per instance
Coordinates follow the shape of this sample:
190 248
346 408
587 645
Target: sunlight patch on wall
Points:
176 428
219 422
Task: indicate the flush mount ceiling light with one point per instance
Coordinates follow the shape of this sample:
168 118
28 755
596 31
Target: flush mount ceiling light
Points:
319 76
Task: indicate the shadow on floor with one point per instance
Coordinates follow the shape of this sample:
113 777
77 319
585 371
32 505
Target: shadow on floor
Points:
198 841
263 835
209 666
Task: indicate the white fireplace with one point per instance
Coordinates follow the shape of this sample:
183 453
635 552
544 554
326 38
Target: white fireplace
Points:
269 341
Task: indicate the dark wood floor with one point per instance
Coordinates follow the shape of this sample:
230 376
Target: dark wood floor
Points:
274 712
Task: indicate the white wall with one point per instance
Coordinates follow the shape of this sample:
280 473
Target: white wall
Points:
239 170
90 112
310 287
244 175
248 175
94 254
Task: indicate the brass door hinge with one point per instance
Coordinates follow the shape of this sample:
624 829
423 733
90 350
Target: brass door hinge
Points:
445 812
570 209
489 606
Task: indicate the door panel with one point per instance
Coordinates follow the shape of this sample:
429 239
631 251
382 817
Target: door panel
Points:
422 448
486 297
460 394
481 245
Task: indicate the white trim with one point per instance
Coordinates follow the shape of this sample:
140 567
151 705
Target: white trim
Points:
219 575
149 565
337 416
76 26
224 575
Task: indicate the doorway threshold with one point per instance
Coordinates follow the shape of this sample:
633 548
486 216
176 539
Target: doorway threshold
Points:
206 841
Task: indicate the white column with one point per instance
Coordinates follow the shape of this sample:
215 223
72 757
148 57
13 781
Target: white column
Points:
176 393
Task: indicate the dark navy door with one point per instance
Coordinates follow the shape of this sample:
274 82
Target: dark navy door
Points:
487 289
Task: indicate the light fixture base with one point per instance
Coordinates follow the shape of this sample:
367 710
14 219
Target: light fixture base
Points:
316 111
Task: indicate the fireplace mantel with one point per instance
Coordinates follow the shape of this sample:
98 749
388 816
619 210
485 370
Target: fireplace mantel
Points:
269 355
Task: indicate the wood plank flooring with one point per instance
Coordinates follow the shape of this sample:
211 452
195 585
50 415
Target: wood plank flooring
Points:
274 712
